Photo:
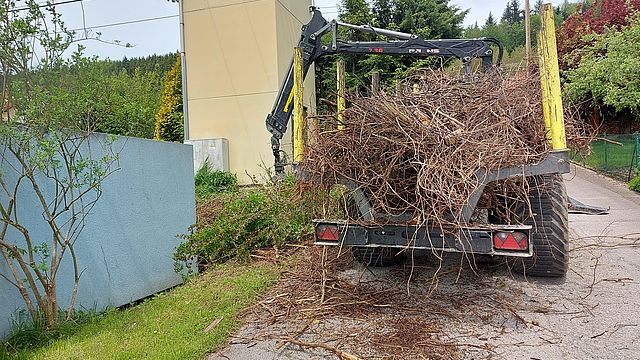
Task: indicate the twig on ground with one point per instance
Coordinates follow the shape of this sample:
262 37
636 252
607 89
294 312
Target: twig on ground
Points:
341 354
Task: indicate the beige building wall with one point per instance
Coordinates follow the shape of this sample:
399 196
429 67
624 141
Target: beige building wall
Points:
237 52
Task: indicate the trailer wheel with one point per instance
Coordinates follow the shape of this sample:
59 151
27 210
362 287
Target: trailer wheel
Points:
550 221
376 257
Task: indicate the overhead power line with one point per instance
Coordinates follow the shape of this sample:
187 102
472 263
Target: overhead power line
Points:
126 22
46 5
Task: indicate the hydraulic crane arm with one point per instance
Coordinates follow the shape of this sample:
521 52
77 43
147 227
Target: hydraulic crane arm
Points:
400 44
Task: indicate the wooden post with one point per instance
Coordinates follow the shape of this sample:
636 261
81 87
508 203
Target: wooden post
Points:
527 27
550 80
342 102
398 88
375 82
298 116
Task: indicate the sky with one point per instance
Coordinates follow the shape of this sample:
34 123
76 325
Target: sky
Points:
152 26
479 9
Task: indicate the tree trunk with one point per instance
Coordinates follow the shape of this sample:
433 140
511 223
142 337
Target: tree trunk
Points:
51 310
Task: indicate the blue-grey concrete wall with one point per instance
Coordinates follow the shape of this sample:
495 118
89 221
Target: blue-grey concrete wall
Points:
126 249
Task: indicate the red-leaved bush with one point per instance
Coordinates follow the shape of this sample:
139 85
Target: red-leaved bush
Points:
599 16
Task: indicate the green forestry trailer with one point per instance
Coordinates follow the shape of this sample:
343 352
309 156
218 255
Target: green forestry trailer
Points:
540 238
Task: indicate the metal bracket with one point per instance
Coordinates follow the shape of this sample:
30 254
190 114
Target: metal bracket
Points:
556 162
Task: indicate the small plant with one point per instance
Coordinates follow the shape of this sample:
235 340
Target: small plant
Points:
30 334
634 184
209 181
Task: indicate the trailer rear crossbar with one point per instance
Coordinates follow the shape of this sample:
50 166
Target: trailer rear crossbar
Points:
510 240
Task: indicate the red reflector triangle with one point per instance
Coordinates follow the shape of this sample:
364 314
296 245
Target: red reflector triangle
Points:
330 233
510 243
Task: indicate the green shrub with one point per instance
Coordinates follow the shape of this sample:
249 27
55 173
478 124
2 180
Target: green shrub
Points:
634 184
210 181
170 116
250 219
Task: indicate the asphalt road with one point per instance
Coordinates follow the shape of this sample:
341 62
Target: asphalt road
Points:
594 312
591 314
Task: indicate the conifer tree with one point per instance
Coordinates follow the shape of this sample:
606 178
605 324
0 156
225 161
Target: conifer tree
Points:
170 116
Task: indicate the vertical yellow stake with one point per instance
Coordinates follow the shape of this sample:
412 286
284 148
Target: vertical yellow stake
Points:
342 102
298 126
545 94
550 80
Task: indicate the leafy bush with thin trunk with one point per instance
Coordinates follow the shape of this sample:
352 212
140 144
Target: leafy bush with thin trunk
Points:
50 163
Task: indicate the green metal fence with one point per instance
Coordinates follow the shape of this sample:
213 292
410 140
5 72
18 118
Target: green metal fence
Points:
615 155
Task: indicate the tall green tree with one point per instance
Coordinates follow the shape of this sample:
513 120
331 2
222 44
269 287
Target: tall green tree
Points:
490 21
382 13
512 14
355 12
537 8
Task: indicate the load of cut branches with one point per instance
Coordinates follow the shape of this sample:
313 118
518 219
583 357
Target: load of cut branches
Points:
417 151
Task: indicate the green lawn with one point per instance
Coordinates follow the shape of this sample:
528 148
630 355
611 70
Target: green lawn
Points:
169 325
611 157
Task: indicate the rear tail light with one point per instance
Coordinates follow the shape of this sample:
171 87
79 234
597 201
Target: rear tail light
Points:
510 240
327 232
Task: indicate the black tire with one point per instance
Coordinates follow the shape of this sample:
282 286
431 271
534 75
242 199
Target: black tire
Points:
550 221
376 257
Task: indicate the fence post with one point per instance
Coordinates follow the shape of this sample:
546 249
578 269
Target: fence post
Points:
342 102
636 147
634 158
375 82
606 153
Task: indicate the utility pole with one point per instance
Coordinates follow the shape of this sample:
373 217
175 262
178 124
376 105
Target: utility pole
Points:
527 27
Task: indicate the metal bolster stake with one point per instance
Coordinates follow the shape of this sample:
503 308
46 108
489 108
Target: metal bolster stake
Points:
550 81
298 116
342 103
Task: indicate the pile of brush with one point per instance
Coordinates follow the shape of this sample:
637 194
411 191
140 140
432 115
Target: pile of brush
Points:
418 151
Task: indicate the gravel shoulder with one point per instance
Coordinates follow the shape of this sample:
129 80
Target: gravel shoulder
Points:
447 309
